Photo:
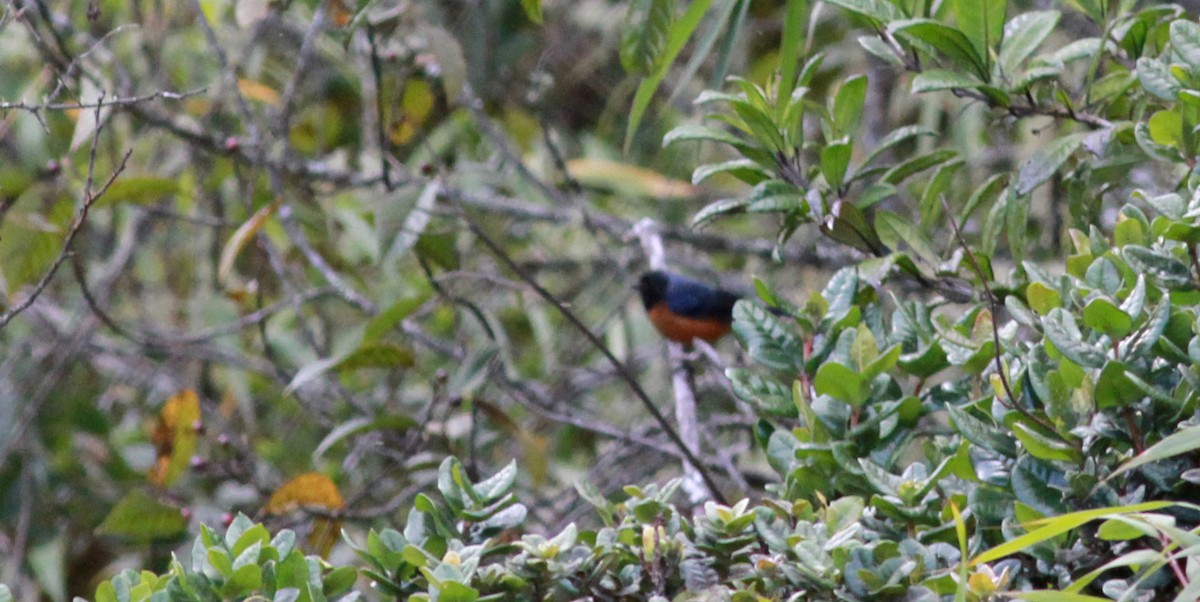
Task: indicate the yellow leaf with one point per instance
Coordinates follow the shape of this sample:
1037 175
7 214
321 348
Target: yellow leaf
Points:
258 91
174 437
240 238
628 180
415 106
311 489
341 11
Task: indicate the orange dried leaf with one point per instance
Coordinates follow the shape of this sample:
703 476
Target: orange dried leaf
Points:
241 238
308 489
311 489
174 437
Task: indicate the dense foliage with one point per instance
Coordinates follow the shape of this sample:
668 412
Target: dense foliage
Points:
311 253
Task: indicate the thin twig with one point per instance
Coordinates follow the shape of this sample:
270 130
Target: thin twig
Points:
994 308
621 369
115 102
89 198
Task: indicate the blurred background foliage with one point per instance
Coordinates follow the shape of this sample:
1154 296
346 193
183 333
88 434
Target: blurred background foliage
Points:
278 290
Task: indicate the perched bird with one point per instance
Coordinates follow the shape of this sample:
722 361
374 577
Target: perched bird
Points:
683 309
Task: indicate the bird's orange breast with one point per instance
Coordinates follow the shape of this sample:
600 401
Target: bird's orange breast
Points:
682 329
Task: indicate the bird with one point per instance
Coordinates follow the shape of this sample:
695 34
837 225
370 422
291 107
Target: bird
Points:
683 309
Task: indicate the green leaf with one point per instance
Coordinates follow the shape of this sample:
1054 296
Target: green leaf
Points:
880 10
835 159
743 169
983 23
863 350
680 32
1162 152
917 164
1042 446
1181 442
1166 128
933 80
138 191
841 383
894 138
643 40
392 422
1185 38
1120 529
244 581
949 41
893 229
1042 298
1061 329
848 106
1045 162
982 433
790 49
766 338
702 133
1051 528
764 393
1161 266
533 10
376 355
718 209
1022 36
1030 479
1103 315
1016 223
139 518
387 319
1056 596
1114 389
1156 78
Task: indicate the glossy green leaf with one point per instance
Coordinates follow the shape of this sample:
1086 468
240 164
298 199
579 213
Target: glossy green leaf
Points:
681 30
1162 267
841 383
848 105
1166 128
933 80
1042 446
835 160
764 393
1062 330
1022 36
1114 389
1156 79
1185 37
951 42
981 433
1042 298
894 229
1103 315
1045 162
790 47
644 38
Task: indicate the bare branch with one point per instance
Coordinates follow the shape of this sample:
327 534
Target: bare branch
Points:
89 198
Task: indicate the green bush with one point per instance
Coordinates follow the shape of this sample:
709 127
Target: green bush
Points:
961 411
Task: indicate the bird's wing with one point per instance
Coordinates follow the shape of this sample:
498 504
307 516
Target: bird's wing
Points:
697 300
